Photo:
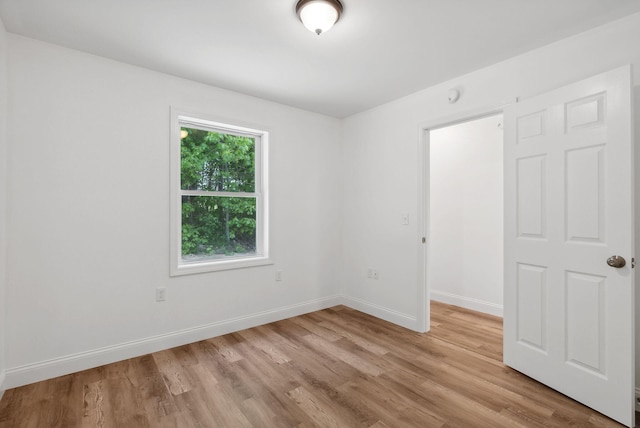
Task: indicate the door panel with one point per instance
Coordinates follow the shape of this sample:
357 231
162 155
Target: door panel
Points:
585 194
531 197
569 206
585 321
532 311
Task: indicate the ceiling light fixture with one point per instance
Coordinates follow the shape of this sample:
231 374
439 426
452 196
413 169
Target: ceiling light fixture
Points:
319 15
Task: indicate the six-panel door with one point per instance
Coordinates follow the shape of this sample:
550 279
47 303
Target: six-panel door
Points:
568 207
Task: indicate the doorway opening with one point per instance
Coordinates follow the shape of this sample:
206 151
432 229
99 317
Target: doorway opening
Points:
465 214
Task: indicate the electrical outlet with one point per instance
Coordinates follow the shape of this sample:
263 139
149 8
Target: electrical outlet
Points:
278 275
161 294
376 275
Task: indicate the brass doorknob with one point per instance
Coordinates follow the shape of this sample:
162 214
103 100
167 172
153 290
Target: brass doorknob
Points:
616 261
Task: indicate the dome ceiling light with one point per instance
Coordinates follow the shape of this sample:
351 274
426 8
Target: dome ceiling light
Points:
319 15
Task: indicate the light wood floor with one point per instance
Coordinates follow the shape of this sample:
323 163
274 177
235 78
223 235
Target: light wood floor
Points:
332 368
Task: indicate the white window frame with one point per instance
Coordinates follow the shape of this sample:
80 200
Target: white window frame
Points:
181 118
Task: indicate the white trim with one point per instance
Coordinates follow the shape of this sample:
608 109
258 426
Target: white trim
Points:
209 193
423 317
204 122
35 372
394 317
468 303
223 264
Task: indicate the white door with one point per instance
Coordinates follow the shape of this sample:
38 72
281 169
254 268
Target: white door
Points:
569 316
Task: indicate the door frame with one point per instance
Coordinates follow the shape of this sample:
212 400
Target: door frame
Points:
423 313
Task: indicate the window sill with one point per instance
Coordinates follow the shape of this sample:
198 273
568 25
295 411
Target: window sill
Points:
219 265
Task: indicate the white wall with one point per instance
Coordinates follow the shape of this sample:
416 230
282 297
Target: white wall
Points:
88 216
465 215
3 198
381 154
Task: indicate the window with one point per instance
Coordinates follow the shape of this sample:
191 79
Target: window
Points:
219 201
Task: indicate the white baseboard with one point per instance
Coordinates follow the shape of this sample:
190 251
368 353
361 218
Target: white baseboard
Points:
468 303
386 314
23 375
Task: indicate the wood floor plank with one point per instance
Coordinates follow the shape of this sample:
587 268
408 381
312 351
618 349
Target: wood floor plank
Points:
262 340
175 375
97 407
259 413
315 328
392 407
253 375
335 367
353 360
215 371
316 376
355 338
225 347
318 411
157 400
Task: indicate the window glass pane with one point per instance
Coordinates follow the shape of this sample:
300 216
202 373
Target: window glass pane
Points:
217 227
215 161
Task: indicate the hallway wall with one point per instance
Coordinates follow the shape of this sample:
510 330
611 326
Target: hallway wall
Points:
465 238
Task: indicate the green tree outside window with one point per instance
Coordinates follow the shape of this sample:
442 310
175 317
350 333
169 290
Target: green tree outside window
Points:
217 225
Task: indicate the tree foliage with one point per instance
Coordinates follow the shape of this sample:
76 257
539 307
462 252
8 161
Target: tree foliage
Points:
217 162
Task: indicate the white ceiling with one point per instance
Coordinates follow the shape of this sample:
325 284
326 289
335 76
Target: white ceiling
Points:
379 51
